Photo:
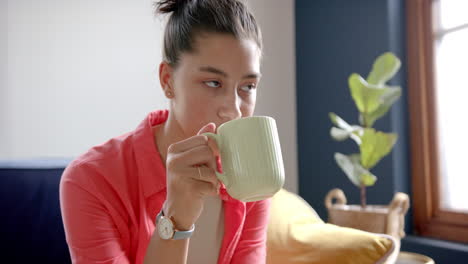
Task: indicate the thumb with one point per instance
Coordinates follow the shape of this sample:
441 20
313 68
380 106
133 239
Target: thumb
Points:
210 127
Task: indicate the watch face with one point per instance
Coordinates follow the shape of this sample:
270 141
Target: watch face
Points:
165 228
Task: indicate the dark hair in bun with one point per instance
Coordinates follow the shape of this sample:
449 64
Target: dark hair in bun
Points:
191 17
169 6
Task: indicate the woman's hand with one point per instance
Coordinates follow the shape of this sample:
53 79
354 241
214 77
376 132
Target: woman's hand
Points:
190 166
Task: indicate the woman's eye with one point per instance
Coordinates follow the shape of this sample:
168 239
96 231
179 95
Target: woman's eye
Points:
248 87
213 84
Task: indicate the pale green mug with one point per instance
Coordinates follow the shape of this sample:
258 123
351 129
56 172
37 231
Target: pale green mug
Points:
251 158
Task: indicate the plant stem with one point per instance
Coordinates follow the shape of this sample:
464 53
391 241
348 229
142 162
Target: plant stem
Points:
363 196
363 187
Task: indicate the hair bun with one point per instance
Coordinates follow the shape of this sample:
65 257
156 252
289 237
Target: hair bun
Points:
169 6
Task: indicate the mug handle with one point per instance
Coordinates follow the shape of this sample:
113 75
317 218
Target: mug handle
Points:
221 176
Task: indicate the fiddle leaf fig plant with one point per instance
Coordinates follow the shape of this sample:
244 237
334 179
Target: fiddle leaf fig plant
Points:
373 99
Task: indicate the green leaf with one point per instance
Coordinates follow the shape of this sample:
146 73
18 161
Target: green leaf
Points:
350 164
390 96
339 122
368 179
339 134
384 68
366 97
361 119
375 145
343 130
392 93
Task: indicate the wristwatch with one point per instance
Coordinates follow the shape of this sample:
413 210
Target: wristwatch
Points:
167 230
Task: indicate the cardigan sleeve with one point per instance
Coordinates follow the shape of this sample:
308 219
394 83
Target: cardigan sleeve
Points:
252 244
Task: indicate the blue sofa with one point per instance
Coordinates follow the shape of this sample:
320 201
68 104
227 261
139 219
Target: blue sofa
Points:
32 229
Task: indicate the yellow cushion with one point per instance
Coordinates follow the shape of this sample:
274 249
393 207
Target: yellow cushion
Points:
297 235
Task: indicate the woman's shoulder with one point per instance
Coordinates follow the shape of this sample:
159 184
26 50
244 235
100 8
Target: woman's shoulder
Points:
100 161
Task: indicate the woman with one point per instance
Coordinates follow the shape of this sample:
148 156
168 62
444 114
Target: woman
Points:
151 195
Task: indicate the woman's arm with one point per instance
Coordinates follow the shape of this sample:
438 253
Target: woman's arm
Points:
187 185
91 234
252 244
166 251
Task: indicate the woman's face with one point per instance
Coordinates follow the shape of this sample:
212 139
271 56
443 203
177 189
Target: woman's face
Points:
215 83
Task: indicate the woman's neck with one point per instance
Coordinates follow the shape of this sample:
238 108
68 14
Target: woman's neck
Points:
166 134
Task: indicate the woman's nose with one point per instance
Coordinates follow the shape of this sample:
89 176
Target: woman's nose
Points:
230 107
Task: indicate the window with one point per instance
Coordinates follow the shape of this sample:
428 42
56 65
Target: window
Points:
438 105
451 50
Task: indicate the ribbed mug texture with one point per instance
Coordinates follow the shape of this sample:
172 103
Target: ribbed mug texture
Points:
251 157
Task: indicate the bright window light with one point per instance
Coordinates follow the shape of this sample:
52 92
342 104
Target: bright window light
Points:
452 102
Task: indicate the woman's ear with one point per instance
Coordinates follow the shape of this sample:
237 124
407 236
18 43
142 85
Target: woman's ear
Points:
165 79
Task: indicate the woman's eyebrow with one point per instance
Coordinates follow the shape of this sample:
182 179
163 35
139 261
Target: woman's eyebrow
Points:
252 76
214 70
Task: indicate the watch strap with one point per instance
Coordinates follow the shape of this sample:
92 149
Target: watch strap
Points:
183 234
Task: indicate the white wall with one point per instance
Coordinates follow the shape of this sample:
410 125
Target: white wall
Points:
4 141
73 66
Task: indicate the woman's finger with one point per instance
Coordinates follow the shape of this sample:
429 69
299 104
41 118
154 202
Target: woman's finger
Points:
204 188
208 128
205 174
200 155
188 144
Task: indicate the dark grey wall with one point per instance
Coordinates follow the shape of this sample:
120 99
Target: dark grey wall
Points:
335 38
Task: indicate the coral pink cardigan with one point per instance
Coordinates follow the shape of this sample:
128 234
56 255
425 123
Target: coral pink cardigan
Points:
110 196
